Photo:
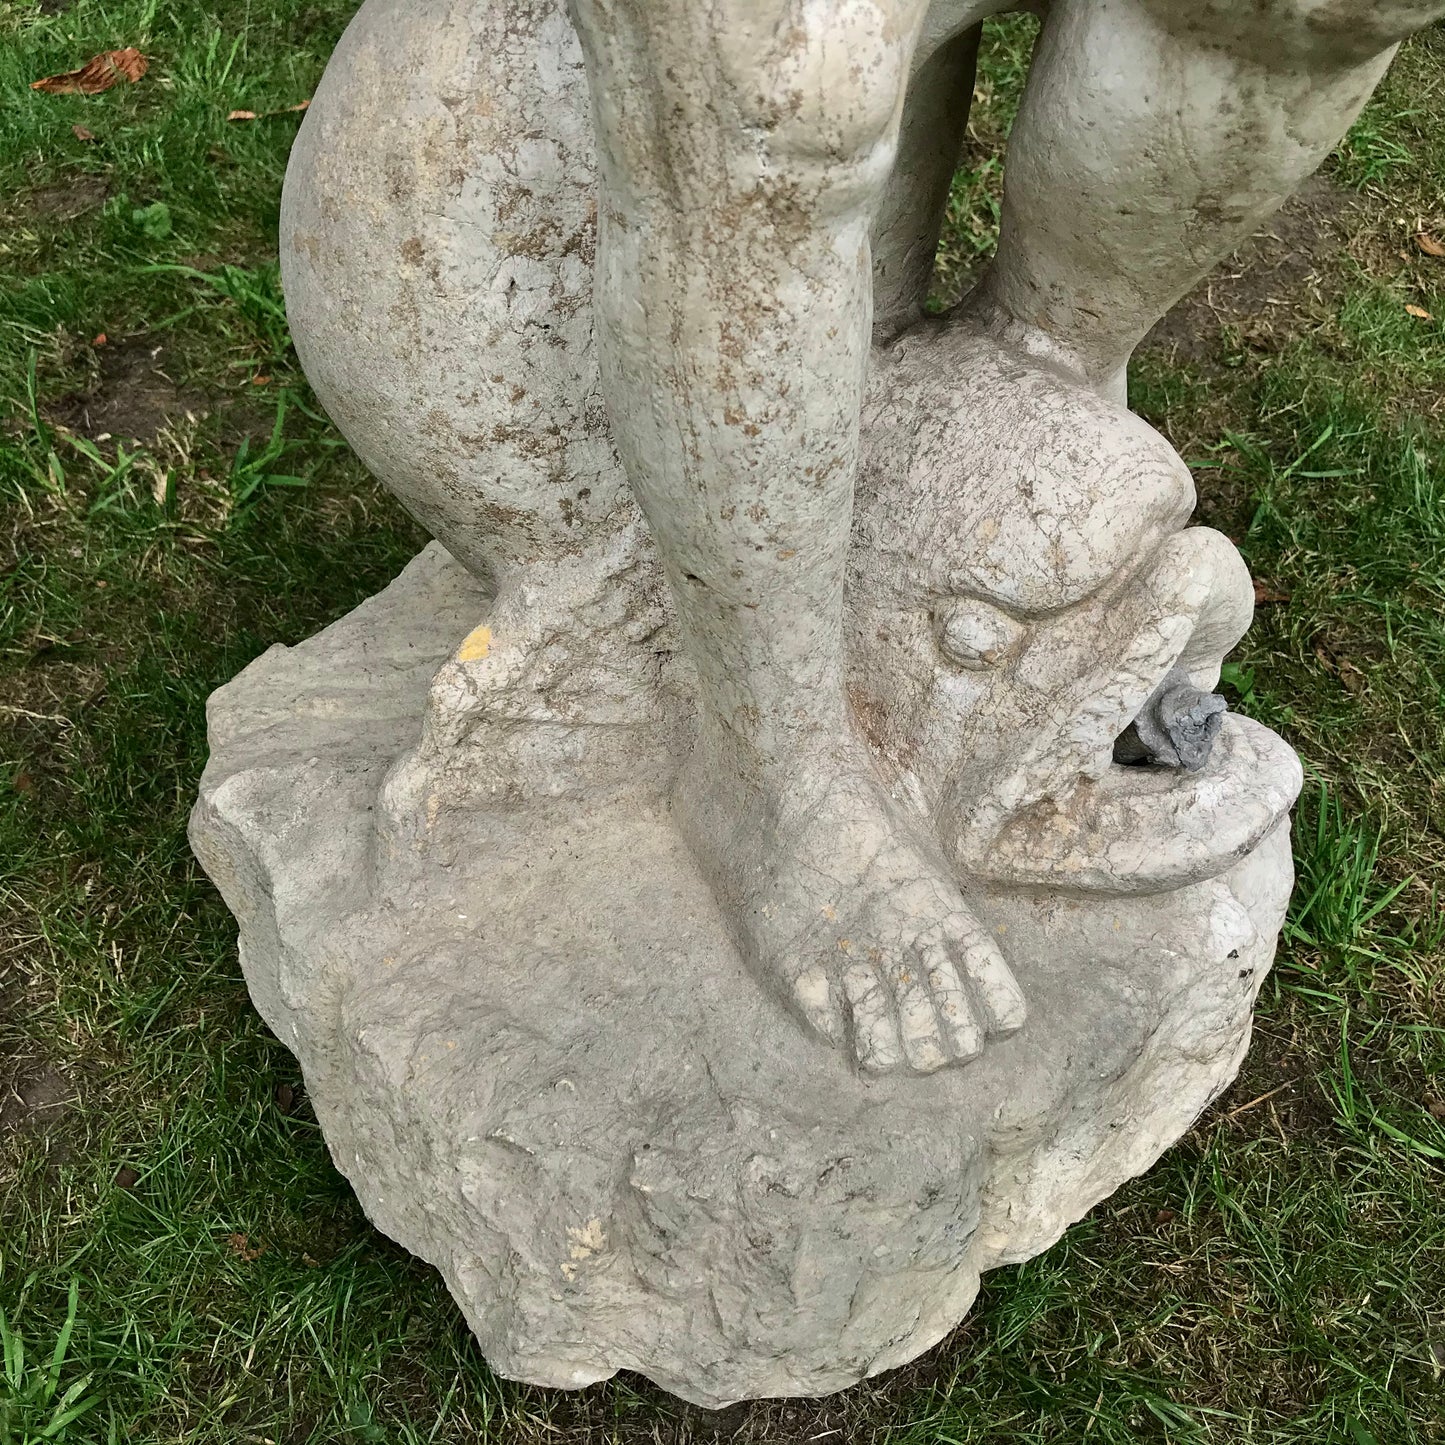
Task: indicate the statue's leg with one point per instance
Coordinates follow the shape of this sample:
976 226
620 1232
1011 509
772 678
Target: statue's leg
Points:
909 220
1154 137
743 146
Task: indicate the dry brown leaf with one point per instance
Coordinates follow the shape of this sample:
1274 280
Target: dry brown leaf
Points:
97 74
82 132
1429 245
1265 594
242 1248
267 114
1351 676
1419 313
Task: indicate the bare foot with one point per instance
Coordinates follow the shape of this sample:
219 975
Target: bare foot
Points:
842 910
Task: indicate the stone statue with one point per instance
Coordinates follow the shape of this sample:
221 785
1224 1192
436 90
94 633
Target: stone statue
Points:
783 646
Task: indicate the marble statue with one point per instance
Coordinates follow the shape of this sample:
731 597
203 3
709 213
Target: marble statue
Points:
779 852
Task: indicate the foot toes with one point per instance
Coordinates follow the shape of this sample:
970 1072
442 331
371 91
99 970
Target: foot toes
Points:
813 994
875 1035
961 1029
917 1018
999 995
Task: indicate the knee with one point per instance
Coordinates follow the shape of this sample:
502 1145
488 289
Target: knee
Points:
1326 33
795 100
1361 29
822 95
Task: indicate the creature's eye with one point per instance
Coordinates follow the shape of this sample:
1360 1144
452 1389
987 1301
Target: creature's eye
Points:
974 634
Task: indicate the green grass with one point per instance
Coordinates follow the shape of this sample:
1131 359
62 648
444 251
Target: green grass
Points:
971 226
176 1252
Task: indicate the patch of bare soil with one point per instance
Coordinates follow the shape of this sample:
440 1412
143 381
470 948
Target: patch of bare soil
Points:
1282 284
132 398
69 200
1275 287
35 1103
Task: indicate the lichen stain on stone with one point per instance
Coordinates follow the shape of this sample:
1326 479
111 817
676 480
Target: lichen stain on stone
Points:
586 1241
477 646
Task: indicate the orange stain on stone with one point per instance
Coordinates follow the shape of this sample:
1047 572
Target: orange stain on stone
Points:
477 646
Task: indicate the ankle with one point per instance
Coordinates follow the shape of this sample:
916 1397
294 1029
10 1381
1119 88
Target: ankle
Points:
987 309
798 726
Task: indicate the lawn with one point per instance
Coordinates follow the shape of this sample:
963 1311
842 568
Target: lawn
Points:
178 1258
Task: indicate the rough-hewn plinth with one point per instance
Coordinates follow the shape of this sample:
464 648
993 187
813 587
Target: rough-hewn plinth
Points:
544 1069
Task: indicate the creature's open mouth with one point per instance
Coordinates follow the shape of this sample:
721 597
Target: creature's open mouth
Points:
1136 781
1147 829
1176 728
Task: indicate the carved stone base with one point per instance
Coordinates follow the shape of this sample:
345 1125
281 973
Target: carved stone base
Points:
537 1057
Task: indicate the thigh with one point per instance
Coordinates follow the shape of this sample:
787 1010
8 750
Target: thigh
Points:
730 87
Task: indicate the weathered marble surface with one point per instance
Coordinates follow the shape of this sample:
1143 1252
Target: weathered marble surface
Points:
542 1065
714 912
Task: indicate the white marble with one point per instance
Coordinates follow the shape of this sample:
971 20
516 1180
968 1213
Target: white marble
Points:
780 853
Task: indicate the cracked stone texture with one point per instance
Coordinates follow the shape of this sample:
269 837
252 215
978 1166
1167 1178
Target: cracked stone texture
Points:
545 1070
444 824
